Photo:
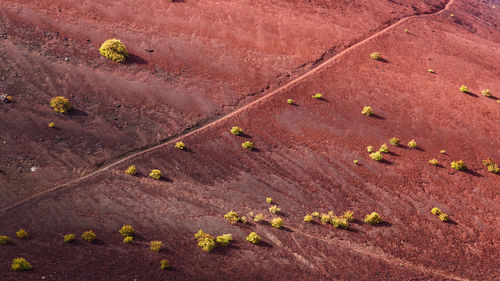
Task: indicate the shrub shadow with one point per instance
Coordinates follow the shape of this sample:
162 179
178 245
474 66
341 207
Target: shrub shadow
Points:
493 98
188 150
264 244
135 59
243 135
471 94
165 179
77 112
383 60
473 173
383 224
452 222
376 116
392 153
255 149
387 162
419 149
353 230
284 228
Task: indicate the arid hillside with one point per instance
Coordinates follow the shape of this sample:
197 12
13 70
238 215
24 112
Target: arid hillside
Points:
216 65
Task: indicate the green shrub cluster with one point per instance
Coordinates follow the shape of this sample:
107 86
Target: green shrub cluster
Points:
131 170
377 156
434 162
464 89
60 104
442 216
52 125
127 230
224 239
431 70
247 145
22 234
69 238
233 217
289 101
394 141
274 209
155 174
308 218
128 239
269 200
253 238
373 218
348 215
412 144
492 166
156 246
277 222
459 165
442 151
384 148
4 240
486 93
21 264
236 130
369 149
114 50
325 218
317 96
205 241
339 222
375 56
164 264
258 218
89 236
315 214
180 145
367 110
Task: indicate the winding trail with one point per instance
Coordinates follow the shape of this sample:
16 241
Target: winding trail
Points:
230 115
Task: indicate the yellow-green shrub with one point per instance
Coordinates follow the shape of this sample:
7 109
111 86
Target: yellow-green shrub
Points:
442 151
232 217
289 101
394 141
339 222
22 234
60 104
492 166
315 214
89 236
52 125
377 156
269 200
375 56
367 110
180 145
224 239
258 217
253 238
236 130
247 145
412 144
486 93
434 162
69 238
384 148
274 209
459 165
369 149
356 162
373 218
128 239
114 50
164 264
156 246
431 70
348 215
308 218
155 174
127 230
277 223
444 217
21 264
131 170
317 96
325 218
436 211
464 89
205 241
4 240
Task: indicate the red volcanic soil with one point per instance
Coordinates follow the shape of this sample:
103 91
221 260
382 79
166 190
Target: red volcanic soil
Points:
303 156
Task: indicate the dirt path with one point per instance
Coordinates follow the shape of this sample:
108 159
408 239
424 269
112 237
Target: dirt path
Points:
234 113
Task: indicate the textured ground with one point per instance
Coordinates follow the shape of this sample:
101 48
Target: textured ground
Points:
304 152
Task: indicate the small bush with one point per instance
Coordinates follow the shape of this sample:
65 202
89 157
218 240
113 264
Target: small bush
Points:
180 145
258 217
128 239
9 98
236 130
325 218
232 217
486 93
452 15
127 230
60 104
243 219
164 264
205 241
22 234
375 56
253 238
89 236
274 209
131 170
367 110
348 215
247 145
407 31
464 89
442 151
369 149
394 141
459 165
52 125
156 246
412 144
384 148
339 222
308 218
315 214
436 211
69 238
317 96
114 50
4 240
492 166
377 156
277 223
373 218
269 200
224 239
20 264
434 162
431 70
155 174
356 162
444 217
289 101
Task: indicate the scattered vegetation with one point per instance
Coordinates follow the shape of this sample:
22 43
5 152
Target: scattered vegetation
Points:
156 246
369 149
384 148
232 217
289 101
373 218
431 70
339 222
394 141
269 200
492 166
308 218
434 162
128 239
205 241
89 236
114 50
60 104
22 233
315 214
155 174
412 144
224 239
459 165
247 145
325 218
486 93
317 96
377 156
464 89
69 238
348 215
21 264
253 238
131 170
277 223
52 125
236 130
436 211
258 217
442 216
164 264
367 110
127 230
375 56
180 145
4 240
274 209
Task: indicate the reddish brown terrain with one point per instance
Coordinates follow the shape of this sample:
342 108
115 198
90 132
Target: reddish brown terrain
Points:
219 64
